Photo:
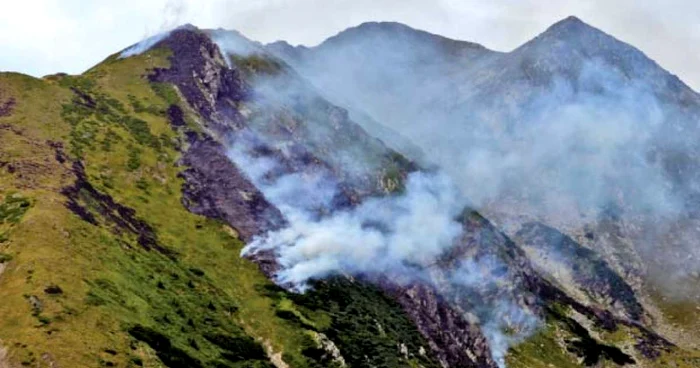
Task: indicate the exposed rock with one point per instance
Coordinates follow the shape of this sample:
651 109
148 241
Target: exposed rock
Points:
275 357
215 188
4 359
35 303
591 351
589 271
330 348
175 116
455 341
200 73
83 99
60 154
53 290
49 360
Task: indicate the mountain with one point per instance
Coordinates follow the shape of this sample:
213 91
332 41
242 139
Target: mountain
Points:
574 134
375 55
202 200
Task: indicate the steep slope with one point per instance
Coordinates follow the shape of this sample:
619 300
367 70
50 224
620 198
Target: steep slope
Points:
104 266
488 243
355 68
576 144
129 193
358 164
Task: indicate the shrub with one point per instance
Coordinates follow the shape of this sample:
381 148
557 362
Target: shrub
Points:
53 290
170 355
237 348
13 208
166 92
4 257
134 161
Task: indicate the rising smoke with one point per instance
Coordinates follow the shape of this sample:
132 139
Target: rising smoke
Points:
559 130
399 237
495 132
173 14
562 147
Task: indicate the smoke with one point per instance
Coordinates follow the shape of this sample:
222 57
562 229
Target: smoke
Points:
144 45
400 237
488 289
173 13
537 145
381 235
232 42
559 131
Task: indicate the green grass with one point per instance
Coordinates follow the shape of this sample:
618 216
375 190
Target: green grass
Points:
192 300
4 258
13 208
200 303
542 350
256 64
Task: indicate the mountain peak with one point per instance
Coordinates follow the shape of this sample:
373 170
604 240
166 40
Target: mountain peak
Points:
374 29
571 37
392 33
571 26
570 21
383 26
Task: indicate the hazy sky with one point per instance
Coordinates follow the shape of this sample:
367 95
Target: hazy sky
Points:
40 37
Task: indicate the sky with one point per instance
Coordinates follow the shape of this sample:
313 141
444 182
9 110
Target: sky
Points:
40 37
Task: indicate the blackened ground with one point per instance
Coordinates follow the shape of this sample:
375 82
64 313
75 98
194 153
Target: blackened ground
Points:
455 341
215 188
7 106
589 270
175 116
89 204
194 57
586 347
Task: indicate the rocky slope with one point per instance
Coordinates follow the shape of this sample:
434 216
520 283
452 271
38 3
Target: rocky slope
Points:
576 144
124 214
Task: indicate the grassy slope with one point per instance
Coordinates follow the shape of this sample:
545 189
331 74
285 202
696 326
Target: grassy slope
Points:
109 284
117 298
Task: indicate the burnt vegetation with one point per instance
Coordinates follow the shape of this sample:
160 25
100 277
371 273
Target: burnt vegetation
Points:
588 268
7 106
100 209
180 306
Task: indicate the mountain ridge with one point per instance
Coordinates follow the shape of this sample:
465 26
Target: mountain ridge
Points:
488 119
133 172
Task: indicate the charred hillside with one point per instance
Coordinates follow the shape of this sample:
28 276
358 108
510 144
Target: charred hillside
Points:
202 200
576 144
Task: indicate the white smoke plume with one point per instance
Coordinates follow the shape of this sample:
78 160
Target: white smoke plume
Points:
398 237
559 131
144 45
173 14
